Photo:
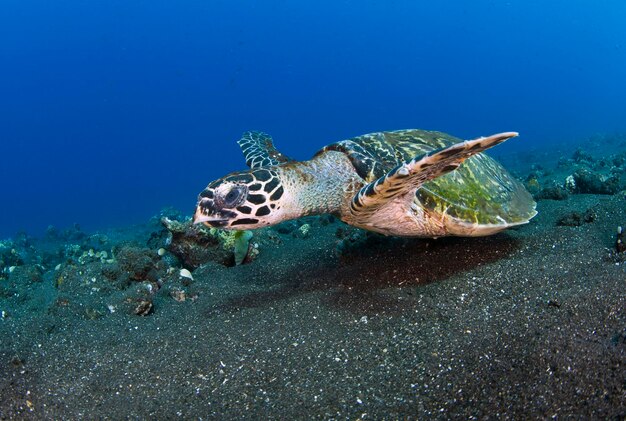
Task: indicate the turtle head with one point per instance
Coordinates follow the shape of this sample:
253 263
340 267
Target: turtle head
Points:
241 201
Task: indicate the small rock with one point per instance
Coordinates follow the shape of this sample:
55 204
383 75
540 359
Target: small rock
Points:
576 219
143 308
592 183
554 303
136 261
178 294
554 192
17 361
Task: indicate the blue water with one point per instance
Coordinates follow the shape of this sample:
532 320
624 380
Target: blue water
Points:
112 109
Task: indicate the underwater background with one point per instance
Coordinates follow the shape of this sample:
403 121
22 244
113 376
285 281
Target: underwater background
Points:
111 110
115 114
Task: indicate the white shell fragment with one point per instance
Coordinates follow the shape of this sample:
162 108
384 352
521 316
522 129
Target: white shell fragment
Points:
184 273
161 251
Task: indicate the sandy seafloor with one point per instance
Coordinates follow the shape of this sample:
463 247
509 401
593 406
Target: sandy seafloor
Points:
529 323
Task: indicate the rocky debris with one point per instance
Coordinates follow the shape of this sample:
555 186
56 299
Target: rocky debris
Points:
139 263
582 157
91 276
589 182
9 255
70 247
112 271
138 299
73 234
29 273
552 192
576 219
195 244
584 172
143 308
71 273
178 294
619 160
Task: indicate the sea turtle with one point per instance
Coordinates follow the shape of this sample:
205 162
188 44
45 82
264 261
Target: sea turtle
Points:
411 183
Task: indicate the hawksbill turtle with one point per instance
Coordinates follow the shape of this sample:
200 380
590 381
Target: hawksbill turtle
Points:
410 183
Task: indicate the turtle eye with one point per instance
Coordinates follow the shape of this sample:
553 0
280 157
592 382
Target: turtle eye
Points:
234 197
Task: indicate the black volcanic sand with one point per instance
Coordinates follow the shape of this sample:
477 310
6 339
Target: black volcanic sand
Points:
524 324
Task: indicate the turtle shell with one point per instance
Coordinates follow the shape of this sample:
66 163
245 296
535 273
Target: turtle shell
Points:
479 192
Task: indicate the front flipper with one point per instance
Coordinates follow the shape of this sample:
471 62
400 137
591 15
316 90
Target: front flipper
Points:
409 176
259 151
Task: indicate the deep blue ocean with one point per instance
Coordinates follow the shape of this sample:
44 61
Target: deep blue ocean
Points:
111 110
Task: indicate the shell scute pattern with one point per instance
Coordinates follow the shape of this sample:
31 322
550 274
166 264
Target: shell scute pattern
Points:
480 191
371 155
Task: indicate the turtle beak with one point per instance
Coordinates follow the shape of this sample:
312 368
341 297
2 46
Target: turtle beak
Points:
207 214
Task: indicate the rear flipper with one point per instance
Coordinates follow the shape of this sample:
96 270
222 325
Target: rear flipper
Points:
408 177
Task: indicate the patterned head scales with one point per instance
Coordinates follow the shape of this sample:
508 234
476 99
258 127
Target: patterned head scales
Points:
241 200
